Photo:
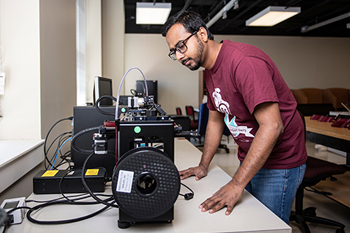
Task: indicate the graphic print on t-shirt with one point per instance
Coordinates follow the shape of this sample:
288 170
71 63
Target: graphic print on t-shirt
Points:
224 107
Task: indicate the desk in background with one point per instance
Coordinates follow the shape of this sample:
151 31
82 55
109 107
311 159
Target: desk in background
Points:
249 215
323 133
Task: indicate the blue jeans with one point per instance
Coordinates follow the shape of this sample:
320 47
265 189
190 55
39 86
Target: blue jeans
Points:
276 189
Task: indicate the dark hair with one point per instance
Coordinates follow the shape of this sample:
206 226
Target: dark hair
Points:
189 19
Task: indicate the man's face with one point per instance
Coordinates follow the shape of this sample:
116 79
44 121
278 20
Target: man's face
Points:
192 56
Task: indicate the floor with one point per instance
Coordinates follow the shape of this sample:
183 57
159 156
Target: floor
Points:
326 207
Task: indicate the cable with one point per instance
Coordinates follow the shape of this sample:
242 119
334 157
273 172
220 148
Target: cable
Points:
79 197
68 201
187 196
79 134
59 151
61 138
87 187
120 87
29 217
47 136
98 107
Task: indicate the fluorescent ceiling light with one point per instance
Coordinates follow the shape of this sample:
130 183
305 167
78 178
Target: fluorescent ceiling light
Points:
152 13
272 15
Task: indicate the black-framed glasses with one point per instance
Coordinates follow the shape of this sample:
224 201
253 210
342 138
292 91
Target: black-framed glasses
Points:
180 47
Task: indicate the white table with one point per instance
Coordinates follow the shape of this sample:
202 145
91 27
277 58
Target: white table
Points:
249 215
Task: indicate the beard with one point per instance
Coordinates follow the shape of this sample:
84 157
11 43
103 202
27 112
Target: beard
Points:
197 60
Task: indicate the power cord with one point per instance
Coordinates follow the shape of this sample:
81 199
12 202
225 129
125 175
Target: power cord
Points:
98 107
187 196
31 219
46 139
87 187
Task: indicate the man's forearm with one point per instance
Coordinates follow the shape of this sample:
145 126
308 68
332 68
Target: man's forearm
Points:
213 136
256 157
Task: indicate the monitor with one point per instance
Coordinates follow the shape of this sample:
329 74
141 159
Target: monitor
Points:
152 86
103 86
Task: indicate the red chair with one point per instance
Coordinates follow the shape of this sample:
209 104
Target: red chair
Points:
326 119
178 111
340 122
316 171
190 112
315 117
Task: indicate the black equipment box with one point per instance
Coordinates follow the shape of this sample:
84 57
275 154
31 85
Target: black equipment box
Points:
51 181
87 117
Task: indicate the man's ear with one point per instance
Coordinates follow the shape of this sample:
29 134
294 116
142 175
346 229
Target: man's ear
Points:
202 34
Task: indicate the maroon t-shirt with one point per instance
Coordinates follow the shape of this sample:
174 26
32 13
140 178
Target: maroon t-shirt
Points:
243 77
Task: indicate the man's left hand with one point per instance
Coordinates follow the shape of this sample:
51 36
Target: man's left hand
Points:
227 196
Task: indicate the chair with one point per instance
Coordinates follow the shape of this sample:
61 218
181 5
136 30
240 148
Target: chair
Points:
308 96
316 171
190 112
178 111
202 125
341 123
336 96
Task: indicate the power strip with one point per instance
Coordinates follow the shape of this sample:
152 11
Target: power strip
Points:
57 181
17 216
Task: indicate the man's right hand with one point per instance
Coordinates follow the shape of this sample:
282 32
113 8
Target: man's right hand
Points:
200 171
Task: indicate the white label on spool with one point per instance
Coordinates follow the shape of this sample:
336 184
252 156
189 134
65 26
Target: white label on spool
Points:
125 179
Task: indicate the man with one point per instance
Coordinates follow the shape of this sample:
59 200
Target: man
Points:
247 92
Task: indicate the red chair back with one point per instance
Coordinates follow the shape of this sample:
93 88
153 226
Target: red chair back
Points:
326 119
340 122
190 111
178 111
315 117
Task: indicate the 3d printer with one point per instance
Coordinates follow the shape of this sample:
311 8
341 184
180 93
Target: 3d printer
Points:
145 181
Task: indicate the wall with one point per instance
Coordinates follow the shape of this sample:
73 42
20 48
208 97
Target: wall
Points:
113 41
93 45
177 85
58 62
304 62
20 47
38 44
38 53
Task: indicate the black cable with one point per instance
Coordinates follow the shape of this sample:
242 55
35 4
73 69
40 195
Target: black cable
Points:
65 158
61 139
47 136
68 202
98 107
72 198
61 142
187 196
87 187
10 219
78 197
4 219
74 147
60 183
63 221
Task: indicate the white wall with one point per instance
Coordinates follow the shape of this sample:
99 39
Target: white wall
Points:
38 45
177 85
93 44
304 62
38 52
20 46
